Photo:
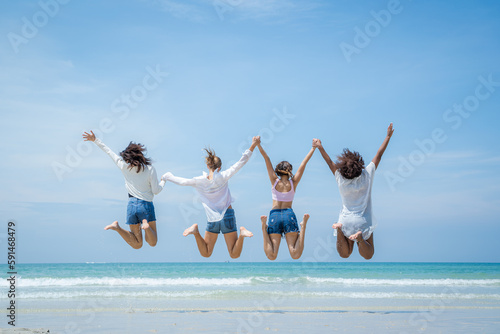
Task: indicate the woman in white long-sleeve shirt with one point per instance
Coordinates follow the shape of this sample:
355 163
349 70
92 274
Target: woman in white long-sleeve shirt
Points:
142 184
216 199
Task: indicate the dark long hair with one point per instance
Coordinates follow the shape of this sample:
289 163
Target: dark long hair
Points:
350 164
284 168
213 161
134 156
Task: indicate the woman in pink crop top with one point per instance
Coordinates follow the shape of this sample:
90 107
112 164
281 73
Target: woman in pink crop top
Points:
355 185
282 219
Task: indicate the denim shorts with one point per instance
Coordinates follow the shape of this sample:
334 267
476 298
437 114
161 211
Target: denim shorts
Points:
225 225
138 209
282 221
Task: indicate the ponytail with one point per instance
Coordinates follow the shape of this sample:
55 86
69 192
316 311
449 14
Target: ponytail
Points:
213 161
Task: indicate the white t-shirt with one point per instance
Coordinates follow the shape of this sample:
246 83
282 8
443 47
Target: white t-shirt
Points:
214 194
356 213
143 185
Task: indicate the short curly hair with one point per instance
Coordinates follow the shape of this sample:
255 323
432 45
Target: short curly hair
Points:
350 164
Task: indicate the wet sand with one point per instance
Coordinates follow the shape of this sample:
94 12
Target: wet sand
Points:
299 316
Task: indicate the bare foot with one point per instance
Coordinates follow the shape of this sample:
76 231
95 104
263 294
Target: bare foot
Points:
337 226
357 236
145 224
245 233
263 219
303 223
114 226
190 230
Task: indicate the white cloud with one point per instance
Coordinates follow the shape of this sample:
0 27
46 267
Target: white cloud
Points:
276 7
183 10
448 161
209 10
278 11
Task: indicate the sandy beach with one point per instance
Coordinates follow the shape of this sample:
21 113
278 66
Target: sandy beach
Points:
297 316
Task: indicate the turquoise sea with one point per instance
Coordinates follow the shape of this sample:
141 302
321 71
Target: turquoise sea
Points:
240 297
177 281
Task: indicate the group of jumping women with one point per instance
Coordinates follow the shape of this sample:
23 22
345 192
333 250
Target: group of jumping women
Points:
355 223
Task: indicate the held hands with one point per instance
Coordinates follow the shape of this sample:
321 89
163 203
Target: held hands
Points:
316 143
255 142
390 131
165 176
89 136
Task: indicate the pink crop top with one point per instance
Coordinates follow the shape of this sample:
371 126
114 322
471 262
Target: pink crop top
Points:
282 197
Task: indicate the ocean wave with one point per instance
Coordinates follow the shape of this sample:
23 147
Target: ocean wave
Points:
404 282
130 281
246 281
248 294
147 294
399 295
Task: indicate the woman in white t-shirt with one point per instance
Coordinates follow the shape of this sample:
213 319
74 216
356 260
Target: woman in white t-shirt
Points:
216 199
142 184
355 186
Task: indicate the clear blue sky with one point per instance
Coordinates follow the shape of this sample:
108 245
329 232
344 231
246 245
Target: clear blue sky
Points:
223 71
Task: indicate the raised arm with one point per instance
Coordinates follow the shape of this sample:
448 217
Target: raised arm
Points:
381 150
228 173
302 167
269 165
317 143
115 157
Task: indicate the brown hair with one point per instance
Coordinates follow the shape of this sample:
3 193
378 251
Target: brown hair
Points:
213 161
134 157
284 168
350 164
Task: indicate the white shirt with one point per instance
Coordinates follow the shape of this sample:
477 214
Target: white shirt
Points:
143 185
215 195
356 214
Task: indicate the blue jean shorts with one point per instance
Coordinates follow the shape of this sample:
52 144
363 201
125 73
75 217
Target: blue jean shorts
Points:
225 225
282 221
138 209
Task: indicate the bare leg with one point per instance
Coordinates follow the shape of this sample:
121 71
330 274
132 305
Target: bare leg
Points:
344 245
295 240
365 247
132 237
234 243
150 232
271 242
205 245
